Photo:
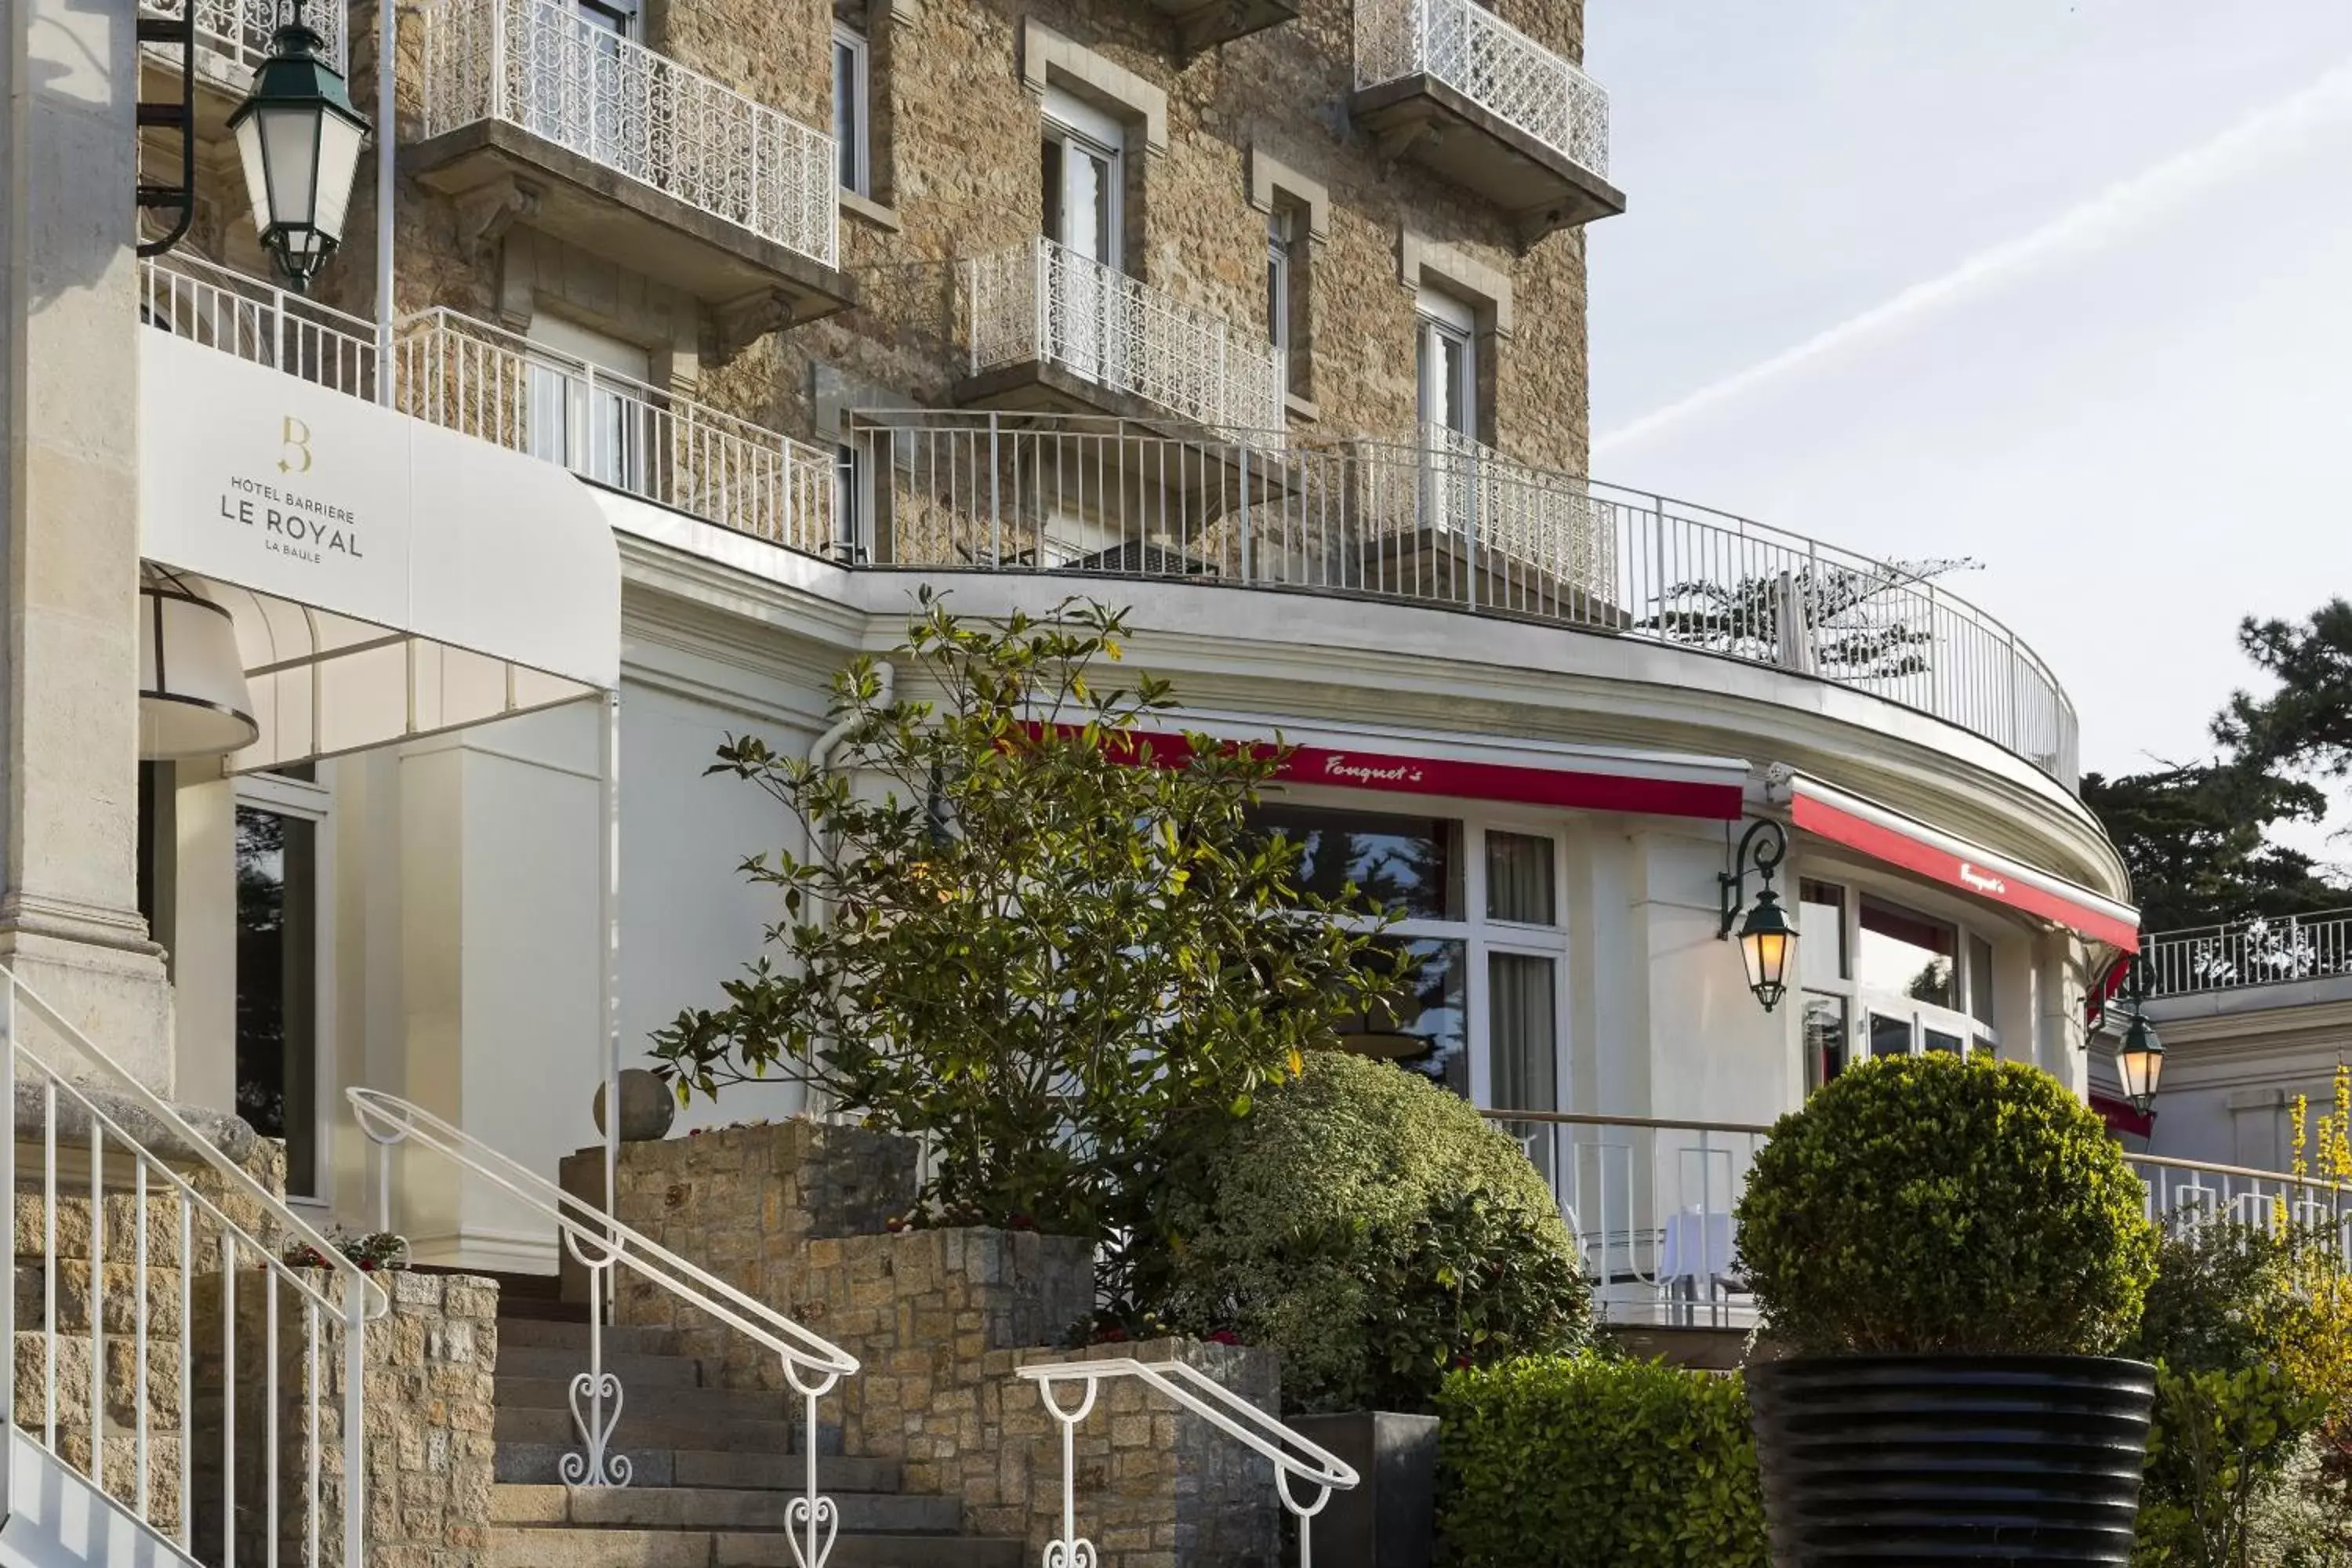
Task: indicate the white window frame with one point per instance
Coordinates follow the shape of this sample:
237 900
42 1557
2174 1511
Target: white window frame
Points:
859 146
1080 127
1974 1033
314 802
1441 319
1280 229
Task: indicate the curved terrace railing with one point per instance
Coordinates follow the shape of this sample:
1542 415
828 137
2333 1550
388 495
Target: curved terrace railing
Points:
1431 517
2265 951
1435 518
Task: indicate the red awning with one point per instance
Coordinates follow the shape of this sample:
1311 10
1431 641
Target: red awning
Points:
1520 774
1886 835
2121 1118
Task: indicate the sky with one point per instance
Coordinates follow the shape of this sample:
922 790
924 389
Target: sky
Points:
2065 287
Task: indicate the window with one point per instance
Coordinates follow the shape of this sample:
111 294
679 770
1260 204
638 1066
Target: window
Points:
1447 364
1277 291
279 867
1883 979
1082 173
617 16
585 403
848 505
851 85
1480 906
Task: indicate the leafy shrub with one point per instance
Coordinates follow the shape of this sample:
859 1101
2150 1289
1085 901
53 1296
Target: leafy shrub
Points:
1932 1204
2241 1339
1378 1233
1583 1460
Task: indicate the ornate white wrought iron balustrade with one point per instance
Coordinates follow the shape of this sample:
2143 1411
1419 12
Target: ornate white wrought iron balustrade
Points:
1045 303
812 1366
1493 64
544 67
192 1216
1298 1465
238 31
2265 951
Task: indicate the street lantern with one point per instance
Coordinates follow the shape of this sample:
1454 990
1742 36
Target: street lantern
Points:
2139 1063
299 138
1768 942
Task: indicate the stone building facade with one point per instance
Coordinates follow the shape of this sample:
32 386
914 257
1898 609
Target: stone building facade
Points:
1217 145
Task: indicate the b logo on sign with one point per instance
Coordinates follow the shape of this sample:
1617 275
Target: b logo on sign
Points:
295 443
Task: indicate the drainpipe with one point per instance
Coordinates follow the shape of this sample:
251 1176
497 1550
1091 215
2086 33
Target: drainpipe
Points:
886 676
387 74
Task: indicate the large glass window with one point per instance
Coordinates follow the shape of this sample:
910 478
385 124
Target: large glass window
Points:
1519 878
1908 954
1820 932
278 983
1407 866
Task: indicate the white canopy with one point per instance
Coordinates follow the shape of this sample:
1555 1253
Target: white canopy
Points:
389 579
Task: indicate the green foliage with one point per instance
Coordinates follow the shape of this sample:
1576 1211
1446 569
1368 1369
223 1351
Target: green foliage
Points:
2306 1520
2307 723
1932 1204
2195 840
2223 1435
1586 1462
1378 1233
2239 1335
1062 967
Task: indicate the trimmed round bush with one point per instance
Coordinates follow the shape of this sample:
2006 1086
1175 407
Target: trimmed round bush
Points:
1376 1231
1929 1203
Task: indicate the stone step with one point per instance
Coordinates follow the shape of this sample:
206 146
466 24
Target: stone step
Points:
542 1333
641 1507
539 1464
541 1547
656 1402
519 1424
564 1363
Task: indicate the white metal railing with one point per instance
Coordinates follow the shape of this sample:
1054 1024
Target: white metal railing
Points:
1044 302
2190 1193
465 375
1494 65
116 1163
1295 1460
1650 1204
2263 950
238 31
191 298
1440 520
545 67
813 1366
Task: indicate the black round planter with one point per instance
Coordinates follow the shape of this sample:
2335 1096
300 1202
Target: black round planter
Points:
1907 1459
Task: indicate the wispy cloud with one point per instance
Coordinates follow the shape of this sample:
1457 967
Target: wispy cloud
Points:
2087 226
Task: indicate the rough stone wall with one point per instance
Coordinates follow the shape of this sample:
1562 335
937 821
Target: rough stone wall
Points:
428 1393
956 163
941 1321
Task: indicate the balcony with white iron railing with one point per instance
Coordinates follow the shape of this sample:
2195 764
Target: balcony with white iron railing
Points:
534 112
1651 1207
1052 330
2265 951
1441 520
232 38
475 378
1454 87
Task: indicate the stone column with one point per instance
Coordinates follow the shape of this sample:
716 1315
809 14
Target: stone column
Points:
70 482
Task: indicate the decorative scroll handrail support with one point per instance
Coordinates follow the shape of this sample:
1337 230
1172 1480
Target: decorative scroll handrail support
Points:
813 1366
1296 1461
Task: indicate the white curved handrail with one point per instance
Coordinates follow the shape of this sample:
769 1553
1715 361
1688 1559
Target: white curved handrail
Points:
388 1120
1271 1439
120 1081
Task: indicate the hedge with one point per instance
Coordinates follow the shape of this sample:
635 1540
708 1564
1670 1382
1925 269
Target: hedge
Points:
1585 1461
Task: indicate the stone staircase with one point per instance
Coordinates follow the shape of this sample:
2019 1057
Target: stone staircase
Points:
714 1469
